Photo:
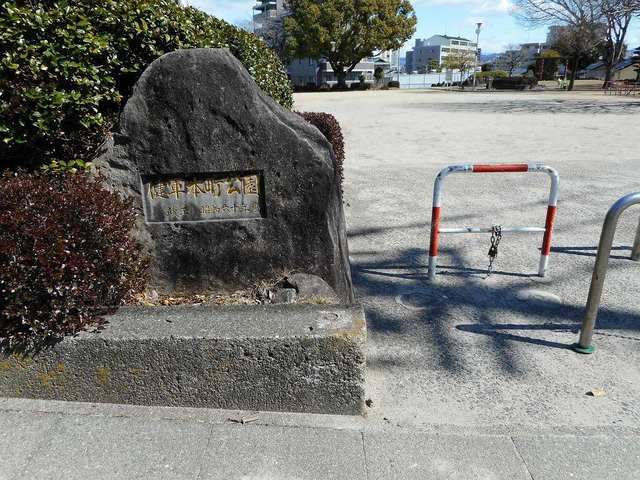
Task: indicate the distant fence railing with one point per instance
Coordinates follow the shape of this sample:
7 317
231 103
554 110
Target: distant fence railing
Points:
622 87
422 80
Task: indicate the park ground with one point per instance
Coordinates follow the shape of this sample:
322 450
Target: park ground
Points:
469 377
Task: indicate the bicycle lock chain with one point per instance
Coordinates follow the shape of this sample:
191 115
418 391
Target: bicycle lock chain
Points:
496 236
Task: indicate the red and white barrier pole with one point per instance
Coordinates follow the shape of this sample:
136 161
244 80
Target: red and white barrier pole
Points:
493 168
552 210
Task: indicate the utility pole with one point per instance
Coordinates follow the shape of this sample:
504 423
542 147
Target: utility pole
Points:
475 64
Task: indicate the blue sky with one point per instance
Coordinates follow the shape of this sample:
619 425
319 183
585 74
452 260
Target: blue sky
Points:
453 17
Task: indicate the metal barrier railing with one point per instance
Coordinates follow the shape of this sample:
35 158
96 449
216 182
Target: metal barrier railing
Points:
494 168
585 344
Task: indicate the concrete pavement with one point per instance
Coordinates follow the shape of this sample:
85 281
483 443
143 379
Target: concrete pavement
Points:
466 349
67 441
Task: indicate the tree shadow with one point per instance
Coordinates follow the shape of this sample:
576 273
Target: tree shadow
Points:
432 311
536 106
497 331
589 251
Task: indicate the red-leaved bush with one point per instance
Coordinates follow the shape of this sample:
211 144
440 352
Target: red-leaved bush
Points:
330 128
66 256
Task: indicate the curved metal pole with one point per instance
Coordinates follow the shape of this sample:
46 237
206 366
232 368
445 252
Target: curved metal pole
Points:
600 270
635 251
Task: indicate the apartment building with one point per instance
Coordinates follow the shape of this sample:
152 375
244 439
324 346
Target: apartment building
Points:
435 49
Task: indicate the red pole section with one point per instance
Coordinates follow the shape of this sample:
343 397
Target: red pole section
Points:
545 251
500 167
435 213
548 229
435 231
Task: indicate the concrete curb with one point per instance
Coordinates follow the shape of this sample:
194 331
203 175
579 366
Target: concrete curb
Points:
298 358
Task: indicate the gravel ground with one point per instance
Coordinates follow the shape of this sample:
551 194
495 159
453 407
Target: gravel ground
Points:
476 351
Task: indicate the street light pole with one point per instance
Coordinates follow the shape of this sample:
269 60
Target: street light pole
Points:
475 65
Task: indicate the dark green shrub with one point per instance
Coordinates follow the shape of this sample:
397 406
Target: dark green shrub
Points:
514 83
67 67
309 87
65 255
360 86
330 128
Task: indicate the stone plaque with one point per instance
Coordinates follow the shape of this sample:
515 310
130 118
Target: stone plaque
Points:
232 189
201 198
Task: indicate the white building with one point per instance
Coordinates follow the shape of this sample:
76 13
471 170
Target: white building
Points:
435 49
392 57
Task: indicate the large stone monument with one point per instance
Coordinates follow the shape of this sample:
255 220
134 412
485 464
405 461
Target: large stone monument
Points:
233 188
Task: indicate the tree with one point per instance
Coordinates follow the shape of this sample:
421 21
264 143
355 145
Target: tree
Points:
67 68
579 44
346 31
433 65
512 59
547 64
577 25
617 15
378 74
461 60
272 31
582 17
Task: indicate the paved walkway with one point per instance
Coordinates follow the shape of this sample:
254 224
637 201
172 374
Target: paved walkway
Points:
67 441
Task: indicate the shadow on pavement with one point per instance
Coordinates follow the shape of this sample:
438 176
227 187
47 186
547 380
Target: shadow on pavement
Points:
399 301
589 251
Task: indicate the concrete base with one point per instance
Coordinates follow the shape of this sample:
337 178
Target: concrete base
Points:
299 358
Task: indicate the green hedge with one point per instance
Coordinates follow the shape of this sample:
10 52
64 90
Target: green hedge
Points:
67 67
514 83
